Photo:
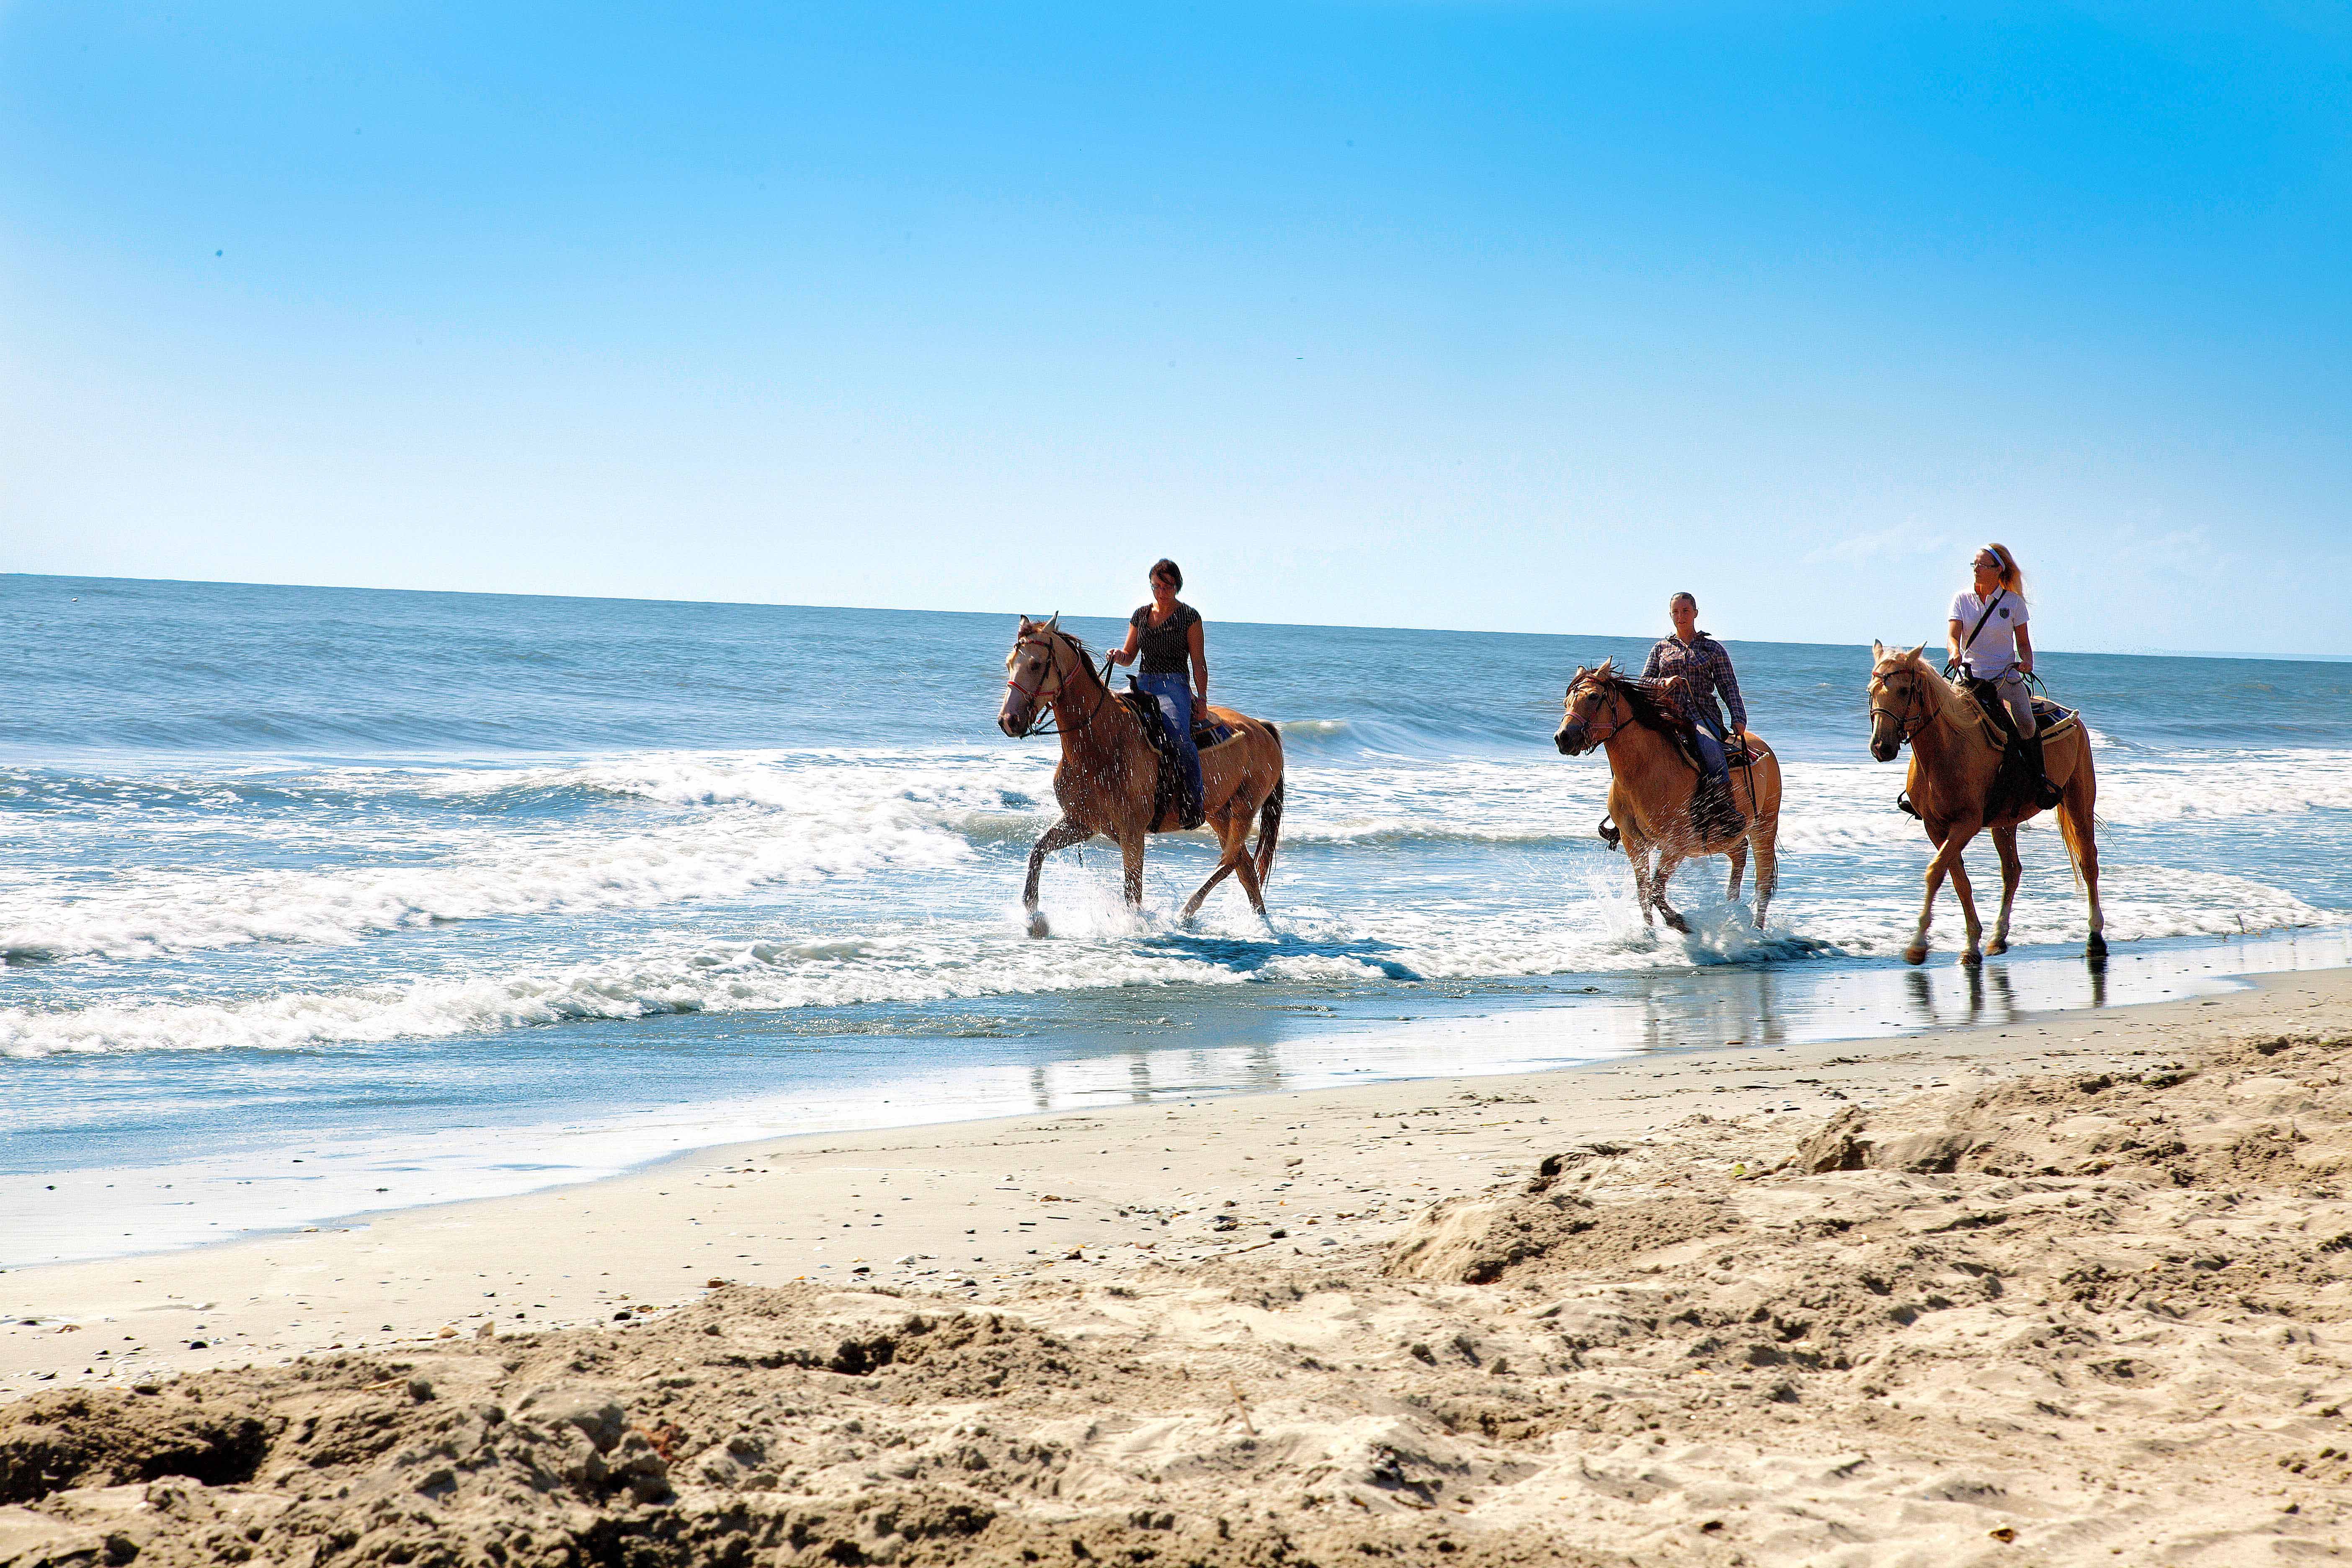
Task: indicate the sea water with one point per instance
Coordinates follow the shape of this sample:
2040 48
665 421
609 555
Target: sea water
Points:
317 901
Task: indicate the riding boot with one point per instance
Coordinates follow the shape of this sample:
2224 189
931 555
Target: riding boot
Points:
1191 808
1714 815
2045 794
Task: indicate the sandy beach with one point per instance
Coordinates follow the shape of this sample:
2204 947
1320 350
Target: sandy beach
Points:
2061 1289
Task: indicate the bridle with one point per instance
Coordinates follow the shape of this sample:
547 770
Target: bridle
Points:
1047 639
1591 737
1905 725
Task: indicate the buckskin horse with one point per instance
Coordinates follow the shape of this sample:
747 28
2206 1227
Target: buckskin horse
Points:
1956 753
1107 780
1650 787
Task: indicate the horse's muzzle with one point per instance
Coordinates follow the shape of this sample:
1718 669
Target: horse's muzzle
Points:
1570 740
1012 727
1882 751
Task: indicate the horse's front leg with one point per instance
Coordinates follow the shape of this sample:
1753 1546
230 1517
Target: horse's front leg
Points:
1638 854
2004 844
1131 853
1939 865
1965 890
1737 856
1061 836
1668 860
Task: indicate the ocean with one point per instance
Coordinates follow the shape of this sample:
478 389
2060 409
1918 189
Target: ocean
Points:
323 901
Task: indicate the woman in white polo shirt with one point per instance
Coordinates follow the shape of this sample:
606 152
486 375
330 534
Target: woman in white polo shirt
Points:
1988 637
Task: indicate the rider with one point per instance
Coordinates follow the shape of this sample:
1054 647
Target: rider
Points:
1167 632
1697 669
1988 637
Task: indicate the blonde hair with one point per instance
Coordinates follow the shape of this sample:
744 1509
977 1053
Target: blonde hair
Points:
2013 576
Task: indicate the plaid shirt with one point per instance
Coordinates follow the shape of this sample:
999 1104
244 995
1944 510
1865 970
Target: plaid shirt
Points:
1705 670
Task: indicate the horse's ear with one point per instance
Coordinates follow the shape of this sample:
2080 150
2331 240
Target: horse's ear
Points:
1026 623
1917 651
1055 623
1608 666
1579 676
1878 650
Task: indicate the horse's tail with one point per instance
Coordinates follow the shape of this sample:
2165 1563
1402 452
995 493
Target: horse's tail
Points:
1269 830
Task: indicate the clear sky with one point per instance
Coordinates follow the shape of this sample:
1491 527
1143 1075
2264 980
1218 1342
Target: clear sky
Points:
1512 317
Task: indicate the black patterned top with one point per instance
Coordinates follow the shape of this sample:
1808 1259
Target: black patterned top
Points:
1167 649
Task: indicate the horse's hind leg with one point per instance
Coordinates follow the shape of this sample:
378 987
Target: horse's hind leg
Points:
1247 871
1232 835
2074 824
1061 836
1767 836
2004 844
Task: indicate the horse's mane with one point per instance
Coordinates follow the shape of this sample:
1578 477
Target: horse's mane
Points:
1086 655
1645 697
1909 663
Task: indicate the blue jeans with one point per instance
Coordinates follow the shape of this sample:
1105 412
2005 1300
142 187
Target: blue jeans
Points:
1174 695
1707 731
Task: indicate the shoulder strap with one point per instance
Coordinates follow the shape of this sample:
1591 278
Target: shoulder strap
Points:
1969 641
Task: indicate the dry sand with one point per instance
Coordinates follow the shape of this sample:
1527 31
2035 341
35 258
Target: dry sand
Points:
2062 1290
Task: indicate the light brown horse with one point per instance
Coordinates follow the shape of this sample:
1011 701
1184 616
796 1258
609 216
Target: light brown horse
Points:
1650 787
1110 772
1955 752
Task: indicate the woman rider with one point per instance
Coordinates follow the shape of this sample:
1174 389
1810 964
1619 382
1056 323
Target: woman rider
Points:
1167 632
1987 636
1699 668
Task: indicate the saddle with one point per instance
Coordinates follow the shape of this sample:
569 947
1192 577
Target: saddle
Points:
2013 781
2047 715
1171 791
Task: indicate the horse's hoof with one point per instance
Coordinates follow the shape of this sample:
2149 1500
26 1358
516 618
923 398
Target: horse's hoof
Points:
1996 947
1680 924
1915 954
2096 947
1971 959
1038 927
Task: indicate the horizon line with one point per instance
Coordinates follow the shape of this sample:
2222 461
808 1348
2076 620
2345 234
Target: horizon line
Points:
2136 652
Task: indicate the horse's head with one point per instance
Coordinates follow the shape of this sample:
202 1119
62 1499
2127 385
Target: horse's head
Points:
1902 698
1591 714
1033 674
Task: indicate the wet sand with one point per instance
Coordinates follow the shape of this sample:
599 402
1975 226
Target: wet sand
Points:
1303 1314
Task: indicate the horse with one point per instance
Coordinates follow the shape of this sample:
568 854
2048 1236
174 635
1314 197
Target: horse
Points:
1956 751
1108 779
1650 787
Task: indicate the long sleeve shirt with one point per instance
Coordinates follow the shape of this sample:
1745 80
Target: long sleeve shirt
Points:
1706 671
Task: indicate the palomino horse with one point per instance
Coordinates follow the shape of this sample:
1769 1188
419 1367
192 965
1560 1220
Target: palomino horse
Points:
1955 752
1110 772
1650 789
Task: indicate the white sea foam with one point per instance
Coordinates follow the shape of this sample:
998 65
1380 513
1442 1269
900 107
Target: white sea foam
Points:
811 833
649 832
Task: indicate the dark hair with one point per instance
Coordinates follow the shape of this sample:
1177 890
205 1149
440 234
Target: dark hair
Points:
1678 598
1165 566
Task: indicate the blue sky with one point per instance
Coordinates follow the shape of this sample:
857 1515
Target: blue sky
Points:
1508 316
